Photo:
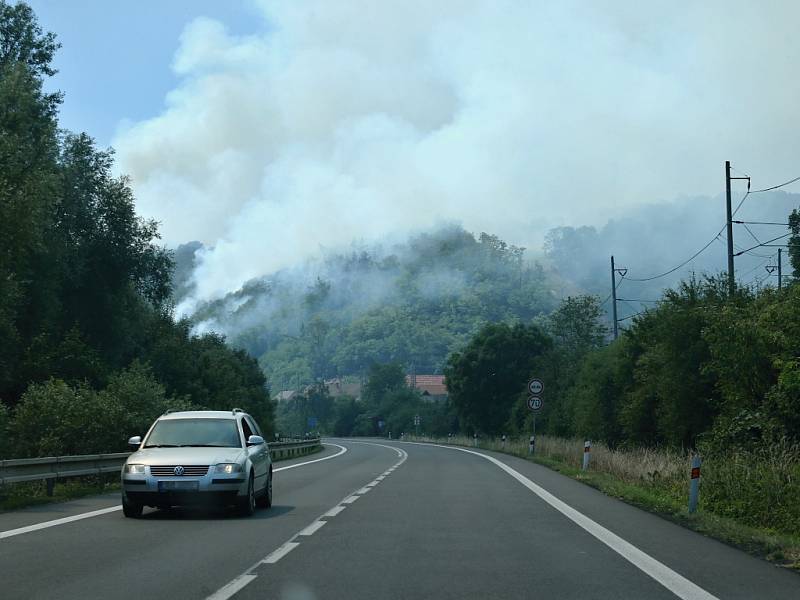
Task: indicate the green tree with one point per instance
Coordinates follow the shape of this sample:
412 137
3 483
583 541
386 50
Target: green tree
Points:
487 377
794 243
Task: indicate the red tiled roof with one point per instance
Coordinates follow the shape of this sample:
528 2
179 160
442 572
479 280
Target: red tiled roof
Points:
433 384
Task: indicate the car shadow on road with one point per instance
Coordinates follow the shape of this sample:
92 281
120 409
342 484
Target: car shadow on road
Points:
204 513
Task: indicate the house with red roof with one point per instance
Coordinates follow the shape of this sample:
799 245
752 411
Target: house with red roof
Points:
430 386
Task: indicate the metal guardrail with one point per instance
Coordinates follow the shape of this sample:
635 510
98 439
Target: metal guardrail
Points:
51 468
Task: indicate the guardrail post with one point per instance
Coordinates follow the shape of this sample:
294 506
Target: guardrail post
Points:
587 450
694 483
51 483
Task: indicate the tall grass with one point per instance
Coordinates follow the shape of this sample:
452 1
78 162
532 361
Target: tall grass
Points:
758 487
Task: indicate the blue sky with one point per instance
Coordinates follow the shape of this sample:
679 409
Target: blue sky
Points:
116 56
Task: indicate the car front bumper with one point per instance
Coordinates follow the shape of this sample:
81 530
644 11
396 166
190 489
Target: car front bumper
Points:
212 488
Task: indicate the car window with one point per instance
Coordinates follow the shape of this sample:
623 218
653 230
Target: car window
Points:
194 432
254 426
246 430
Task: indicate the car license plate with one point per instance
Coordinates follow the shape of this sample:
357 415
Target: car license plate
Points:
183 486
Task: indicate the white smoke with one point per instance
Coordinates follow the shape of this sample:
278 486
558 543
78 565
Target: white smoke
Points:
360 119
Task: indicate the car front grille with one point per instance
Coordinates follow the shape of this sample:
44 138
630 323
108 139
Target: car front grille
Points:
188 470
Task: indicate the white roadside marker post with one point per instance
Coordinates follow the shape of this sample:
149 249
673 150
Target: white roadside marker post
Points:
694 483
532 445
475 440
587 450
504 441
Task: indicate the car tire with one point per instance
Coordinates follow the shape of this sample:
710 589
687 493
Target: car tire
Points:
132 510
247 505
265 500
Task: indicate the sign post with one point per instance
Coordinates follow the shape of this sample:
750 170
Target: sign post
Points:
535 403
694 483
587 451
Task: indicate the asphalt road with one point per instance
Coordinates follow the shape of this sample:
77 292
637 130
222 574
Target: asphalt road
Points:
381 520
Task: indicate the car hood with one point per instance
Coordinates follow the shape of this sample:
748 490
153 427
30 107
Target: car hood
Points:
185 456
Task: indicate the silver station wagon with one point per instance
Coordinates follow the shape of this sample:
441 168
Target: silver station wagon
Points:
198 457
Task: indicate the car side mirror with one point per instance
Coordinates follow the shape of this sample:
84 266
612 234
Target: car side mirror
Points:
135 440
255 440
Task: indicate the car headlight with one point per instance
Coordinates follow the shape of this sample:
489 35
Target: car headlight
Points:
138 469
228 468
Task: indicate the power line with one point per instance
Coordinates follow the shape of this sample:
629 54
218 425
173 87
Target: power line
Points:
752 235
631 316
738 247
767 243
638 300
775 187
761 264
738 206
684 263
760 223
609 296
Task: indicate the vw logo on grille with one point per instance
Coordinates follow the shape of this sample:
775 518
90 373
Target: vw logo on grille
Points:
178 470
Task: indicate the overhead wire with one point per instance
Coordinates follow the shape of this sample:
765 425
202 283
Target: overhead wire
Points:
761 264
760 223
738 206
752 235
775 187
763 244
684 263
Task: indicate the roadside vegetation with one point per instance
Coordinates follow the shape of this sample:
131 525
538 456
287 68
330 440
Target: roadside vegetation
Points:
90 352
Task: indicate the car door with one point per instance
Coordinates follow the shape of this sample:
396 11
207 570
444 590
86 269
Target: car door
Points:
258 454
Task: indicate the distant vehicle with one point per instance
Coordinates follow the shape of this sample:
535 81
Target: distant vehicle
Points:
198 457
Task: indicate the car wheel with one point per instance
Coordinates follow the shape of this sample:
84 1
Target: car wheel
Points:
265 500
247 505
132 510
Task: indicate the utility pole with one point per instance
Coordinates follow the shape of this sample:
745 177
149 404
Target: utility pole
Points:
731 281
614 297
780 270
729 224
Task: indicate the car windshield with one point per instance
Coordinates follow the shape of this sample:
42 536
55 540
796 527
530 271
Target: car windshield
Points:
174 433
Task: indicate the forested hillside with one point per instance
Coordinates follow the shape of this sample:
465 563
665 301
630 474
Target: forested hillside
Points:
412 304
89 350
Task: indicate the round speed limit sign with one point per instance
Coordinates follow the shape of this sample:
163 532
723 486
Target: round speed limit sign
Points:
535 403
535 387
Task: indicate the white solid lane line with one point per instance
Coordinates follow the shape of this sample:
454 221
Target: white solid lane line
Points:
313 528
308 530
54 523
110 509
341 451
675 583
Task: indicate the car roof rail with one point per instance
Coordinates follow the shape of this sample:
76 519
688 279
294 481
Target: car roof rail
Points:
237 410
170 410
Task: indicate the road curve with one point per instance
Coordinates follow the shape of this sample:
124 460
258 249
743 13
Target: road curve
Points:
385 519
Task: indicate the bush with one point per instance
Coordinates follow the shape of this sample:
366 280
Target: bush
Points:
55 419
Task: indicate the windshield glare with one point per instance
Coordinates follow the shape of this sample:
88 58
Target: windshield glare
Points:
221 433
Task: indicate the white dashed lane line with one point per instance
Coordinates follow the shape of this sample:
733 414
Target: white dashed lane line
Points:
313 528
242 580
334 511
277 555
